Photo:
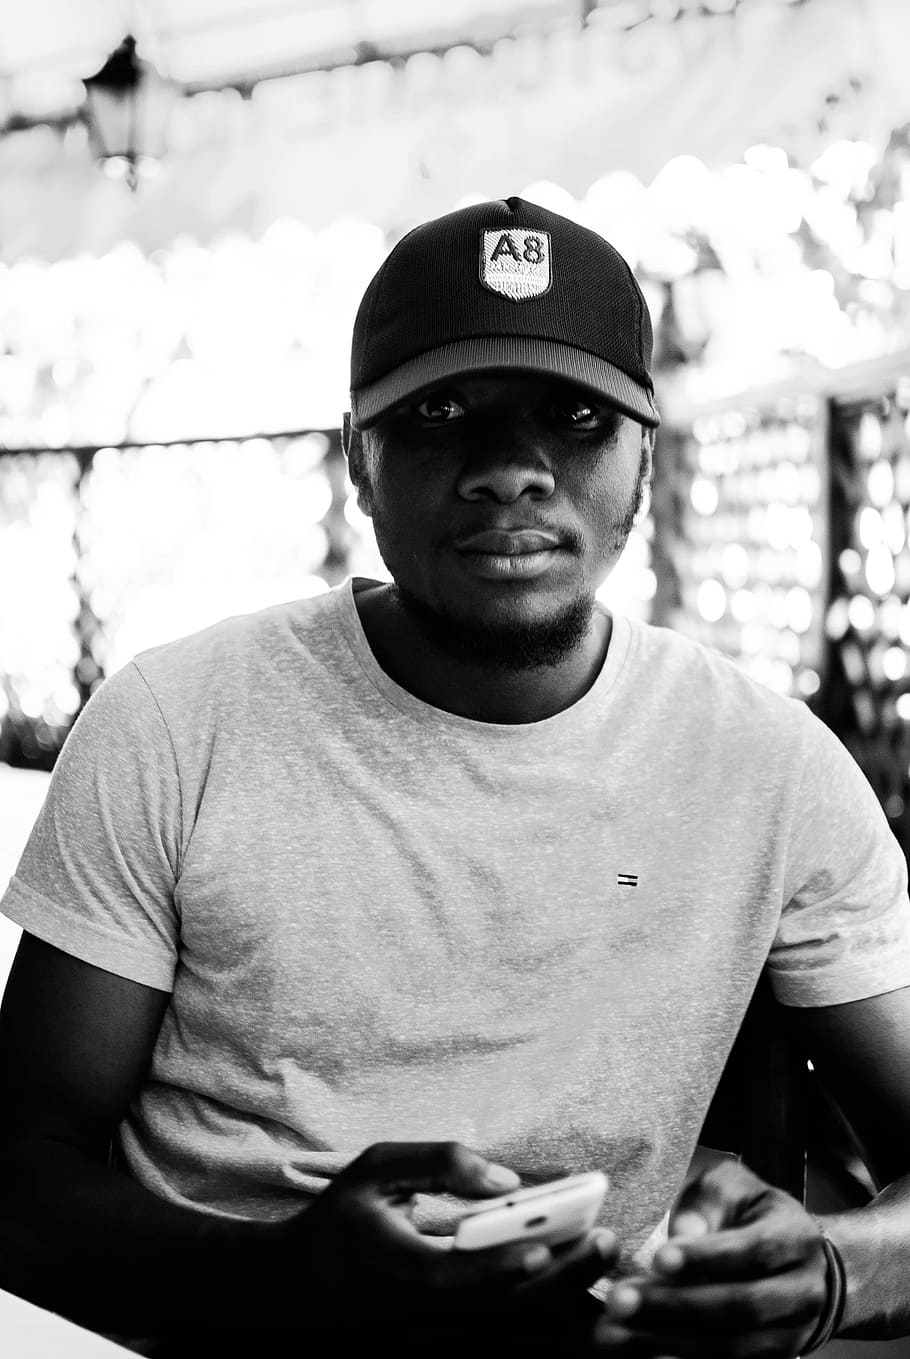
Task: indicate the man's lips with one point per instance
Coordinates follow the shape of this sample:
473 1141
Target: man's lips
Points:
508 542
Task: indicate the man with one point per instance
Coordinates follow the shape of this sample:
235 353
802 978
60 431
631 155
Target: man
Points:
345 914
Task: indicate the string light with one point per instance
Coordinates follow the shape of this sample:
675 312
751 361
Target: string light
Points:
748 550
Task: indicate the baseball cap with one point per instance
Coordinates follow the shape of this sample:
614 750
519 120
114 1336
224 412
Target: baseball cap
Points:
502 285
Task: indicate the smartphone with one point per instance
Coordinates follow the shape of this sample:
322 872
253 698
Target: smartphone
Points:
554 1213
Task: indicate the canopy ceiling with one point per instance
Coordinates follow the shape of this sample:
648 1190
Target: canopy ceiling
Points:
709 86
47 44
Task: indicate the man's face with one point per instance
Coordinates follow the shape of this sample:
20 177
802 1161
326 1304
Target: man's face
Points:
511 454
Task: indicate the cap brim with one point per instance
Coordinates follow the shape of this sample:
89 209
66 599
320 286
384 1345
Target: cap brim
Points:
504 353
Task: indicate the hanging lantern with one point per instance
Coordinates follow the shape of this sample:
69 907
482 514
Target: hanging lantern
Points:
127 106
700 299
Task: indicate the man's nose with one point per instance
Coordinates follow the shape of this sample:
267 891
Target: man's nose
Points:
505 468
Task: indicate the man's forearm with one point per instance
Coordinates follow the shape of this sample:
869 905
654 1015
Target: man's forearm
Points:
98 1247
874 1242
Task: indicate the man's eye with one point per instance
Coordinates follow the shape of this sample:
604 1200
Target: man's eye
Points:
578 414
439 410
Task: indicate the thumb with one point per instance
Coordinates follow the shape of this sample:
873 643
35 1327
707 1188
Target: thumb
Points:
714 1200
430 1167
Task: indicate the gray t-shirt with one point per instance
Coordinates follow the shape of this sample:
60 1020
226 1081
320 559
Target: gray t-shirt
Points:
382 921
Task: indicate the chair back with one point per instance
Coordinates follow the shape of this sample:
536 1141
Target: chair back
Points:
760 1109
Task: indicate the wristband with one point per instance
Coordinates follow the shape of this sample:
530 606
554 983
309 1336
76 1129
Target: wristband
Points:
833 1311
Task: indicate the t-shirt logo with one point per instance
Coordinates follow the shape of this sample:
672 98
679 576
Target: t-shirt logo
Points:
515 262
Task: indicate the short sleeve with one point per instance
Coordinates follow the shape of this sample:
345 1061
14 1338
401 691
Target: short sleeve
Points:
844 932
96 878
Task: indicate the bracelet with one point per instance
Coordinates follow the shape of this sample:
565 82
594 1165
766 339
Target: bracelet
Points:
836 1278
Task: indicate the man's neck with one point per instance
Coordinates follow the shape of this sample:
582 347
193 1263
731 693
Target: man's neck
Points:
472 690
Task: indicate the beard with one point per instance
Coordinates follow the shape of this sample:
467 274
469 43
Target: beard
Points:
518 644
511 646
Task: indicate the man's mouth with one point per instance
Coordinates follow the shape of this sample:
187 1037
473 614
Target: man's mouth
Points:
508 542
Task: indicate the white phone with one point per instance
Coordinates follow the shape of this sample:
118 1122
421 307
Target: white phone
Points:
554 1213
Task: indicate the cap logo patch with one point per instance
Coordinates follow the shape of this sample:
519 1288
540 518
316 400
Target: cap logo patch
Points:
515 262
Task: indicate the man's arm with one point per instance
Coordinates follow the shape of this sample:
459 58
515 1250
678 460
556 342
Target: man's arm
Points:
80 1238
744 1271
76 1236
861 1052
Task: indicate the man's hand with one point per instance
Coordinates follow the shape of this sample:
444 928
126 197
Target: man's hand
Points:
743 1275
360 1251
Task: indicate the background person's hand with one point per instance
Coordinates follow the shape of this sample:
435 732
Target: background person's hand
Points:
743 1275
363 1252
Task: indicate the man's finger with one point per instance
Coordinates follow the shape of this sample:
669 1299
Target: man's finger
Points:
429 1167
620 1342
753 1251
716 1199
788 1300
572 1269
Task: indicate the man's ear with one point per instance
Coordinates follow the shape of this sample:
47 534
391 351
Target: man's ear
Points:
347 431
647 450
647 468
352 445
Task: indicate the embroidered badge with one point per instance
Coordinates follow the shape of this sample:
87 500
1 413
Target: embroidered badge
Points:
515 262
626 879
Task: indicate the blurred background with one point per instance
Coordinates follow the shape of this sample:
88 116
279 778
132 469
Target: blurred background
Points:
194 195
